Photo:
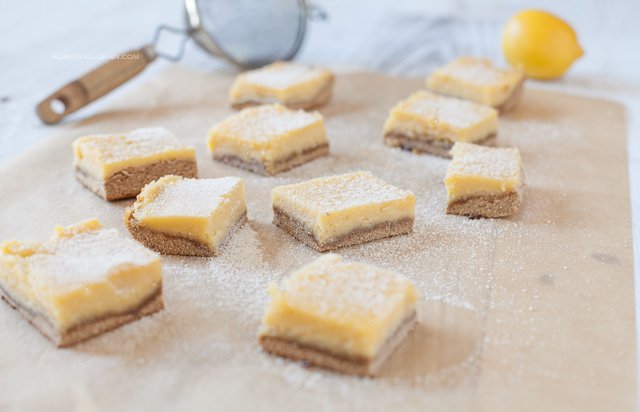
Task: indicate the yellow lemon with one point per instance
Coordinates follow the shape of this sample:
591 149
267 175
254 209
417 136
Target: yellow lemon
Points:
540 44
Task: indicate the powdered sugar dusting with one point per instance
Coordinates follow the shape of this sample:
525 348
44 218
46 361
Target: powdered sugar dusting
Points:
266 122
204 196
281 75
334 193
448 111
144 142
479 280
478 71
85 258
344 291
497 163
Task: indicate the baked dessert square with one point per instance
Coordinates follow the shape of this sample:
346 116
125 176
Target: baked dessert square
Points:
478 80
484 181
332 212
117 166
191 217
269 139
84 281
294 85
429 123
344 316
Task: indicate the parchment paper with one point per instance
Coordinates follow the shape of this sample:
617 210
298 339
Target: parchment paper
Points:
530 313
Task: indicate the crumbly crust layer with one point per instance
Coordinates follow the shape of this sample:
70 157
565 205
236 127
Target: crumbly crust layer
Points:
320 99
129 182
283 165
429 144
487 205
88 328
170 244
322 358
360 235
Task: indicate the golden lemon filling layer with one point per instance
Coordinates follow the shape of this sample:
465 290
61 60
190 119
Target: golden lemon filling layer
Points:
82 273
342 307
336 205
200 209
475 79
267 133
440 117
104 155
478 169
282 82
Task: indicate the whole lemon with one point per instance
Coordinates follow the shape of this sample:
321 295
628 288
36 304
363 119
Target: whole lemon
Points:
540 44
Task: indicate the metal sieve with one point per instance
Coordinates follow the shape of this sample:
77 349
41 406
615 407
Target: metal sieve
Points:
247 33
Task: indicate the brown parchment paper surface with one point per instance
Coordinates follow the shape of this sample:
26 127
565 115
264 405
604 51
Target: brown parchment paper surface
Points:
530 313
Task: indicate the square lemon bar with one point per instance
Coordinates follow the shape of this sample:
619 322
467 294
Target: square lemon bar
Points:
191 217
344 316
269 139
429 123
484 181
336 211
117 166
480 81
83 282
294 85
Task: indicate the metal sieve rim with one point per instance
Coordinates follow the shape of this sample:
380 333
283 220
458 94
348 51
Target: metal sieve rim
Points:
211 45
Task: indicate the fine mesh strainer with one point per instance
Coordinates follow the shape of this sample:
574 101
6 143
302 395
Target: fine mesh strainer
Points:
247 33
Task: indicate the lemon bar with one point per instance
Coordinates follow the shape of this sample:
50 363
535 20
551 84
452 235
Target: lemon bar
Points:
294 85
429 123
117 166
269 139
336 211
344 316
480 81
484 181
84 281
192 217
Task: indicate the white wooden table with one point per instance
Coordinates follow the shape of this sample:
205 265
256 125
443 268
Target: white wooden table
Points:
397 36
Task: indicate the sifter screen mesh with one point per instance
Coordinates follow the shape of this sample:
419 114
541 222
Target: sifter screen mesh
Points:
254 32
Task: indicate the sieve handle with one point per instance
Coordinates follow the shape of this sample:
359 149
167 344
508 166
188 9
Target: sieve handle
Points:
94 84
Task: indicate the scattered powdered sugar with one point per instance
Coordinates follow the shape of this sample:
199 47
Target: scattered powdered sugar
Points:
478 281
